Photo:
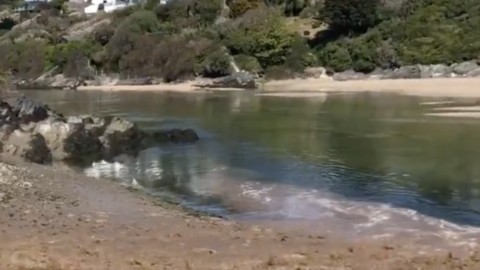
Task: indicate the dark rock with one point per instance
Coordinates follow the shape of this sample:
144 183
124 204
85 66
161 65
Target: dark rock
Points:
120 136
406 72
176 136
27 110
238 80
315 72
61 82
465 67
6 112
69 141
377 74
29 146
349 75
38 134
474 73
435 71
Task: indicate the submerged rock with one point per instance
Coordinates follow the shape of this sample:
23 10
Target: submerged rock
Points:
34 132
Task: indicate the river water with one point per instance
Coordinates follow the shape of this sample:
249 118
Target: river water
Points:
361 165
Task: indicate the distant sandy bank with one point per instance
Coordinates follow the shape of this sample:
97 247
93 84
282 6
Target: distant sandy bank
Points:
454 87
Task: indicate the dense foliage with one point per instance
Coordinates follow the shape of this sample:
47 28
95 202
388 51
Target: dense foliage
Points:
183 39
417 32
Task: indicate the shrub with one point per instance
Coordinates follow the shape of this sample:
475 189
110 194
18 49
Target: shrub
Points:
207 11
215 64
300 56
350 16
143 21
26 60
71 57
240 7
103 34
363 54
335 55
260 33
248 63
121 14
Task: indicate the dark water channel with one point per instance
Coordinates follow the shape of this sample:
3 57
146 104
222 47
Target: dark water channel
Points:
361 164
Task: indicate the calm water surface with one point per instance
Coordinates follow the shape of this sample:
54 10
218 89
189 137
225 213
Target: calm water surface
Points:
360 164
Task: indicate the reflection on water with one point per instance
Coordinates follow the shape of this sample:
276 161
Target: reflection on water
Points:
361 164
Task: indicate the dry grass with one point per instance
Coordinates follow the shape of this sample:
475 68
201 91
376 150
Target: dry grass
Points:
299 25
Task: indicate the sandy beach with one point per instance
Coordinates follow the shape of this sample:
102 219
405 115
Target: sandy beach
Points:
438 87
55 219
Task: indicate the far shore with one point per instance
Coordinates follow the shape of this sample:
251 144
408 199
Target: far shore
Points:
438 87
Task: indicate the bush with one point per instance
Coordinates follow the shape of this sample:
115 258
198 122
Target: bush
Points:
190 13
248 63
143 21
103 34
71 57
350 16
240 7
207 11
260 33
120 15
336 56
26 60
422 32
214 64
300 56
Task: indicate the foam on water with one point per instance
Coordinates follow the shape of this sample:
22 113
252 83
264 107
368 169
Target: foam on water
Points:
249 199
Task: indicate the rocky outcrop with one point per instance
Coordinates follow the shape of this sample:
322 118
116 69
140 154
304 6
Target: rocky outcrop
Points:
238 80
34 132
58 82
469 69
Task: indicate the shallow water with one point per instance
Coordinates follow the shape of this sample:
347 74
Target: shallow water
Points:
356 164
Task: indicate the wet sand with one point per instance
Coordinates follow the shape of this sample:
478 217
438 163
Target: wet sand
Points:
55 219
438 87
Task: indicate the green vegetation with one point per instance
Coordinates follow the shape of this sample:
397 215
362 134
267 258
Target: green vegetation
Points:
184 39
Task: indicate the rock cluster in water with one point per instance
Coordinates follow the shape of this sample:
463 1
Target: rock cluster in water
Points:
36 133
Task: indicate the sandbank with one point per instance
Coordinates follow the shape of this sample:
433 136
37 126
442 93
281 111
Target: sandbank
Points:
54 218
435 87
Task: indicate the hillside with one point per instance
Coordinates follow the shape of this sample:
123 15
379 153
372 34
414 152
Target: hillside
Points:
186 39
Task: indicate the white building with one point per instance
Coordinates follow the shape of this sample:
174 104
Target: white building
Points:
106 6
111 5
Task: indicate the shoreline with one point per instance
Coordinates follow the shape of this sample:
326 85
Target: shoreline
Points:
54 218
434 87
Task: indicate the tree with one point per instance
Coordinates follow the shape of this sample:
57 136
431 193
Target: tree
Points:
350 16
260 33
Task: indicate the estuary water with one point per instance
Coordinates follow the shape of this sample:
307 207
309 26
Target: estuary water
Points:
359 165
